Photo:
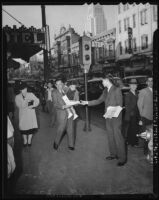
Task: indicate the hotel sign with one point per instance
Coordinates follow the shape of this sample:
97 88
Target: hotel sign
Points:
25 36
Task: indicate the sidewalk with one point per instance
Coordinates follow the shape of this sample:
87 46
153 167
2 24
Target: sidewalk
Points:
83 171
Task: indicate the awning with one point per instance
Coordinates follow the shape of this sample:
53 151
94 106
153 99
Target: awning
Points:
23 42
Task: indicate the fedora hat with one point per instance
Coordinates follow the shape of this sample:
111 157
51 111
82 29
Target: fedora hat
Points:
22 86
133 81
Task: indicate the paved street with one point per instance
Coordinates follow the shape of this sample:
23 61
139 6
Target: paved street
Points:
80 172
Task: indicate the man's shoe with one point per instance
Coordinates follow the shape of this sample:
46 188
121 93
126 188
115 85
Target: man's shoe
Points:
55 146
71 148
119 164
111 157
25 145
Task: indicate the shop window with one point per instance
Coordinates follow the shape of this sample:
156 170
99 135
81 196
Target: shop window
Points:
155 12
143 17
134 21
144 42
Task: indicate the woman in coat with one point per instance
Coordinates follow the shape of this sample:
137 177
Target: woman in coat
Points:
131 115
26 102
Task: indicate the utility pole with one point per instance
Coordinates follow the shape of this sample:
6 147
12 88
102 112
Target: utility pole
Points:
45 52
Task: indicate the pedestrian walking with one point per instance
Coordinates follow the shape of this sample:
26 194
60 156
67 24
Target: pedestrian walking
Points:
145 105
62 121
131 118
26 102
112 96
49 103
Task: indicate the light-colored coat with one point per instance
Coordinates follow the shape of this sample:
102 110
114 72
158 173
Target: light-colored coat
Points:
145 103
27 116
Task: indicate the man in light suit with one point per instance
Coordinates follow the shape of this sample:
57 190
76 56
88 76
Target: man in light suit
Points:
112 96
62 121
145 105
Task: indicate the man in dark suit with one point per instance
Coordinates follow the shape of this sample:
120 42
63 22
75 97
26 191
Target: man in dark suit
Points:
62 121
112 96
131 118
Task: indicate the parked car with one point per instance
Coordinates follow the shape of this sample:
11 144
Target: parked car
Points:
141 81
95 88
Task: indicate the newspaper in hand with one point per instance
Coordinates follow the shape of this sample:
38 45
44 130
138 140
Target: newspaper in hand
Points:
112 111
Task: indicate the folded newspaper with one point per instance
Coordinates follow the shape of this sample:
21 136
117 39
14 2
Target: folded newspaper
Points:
112 111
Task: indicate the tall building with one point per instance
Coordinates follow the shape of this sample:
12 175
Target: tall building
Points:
134 53
96 22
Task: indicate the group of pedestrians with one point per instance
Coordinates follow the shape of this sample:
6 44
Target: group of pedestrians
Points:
138 112
61 99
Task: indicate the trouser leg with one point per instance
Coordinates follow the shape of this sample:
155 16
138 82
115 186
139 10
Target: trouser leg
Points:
111 140
119 140
61 126
70 132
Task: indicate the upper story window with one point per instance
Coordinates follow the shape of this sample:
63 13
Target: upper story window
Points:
119 9
143 17
125 6
126 23
144 41
119 23
134 21
155 12
120 48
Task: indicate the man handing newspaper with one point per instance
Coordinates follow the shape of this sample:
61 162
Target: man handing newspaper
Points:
112 97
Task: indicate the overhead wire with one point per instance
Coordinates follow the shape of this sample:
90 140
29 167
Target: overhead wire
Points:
13 17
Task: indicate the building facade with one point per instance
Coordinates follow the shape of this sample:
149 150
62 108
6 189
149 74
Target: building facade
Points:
134 53
65 52
104 52
96 22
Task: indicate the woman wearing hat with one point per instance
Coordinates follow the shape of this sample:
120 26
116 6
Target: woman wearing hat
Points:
131 114
26 102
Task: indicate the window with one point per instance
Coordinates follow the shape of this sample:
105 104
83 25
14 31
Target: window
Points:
155 12
134 21
119 9
120 48
126 23
124 8
143 16
134 44
119 26
126 46
144 41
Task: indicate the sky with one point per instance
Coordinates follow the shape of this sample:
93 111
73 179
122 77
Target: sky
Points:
56 16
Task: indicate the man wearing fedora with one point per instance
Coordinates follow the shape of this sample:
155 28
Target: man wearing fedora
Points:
131 117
